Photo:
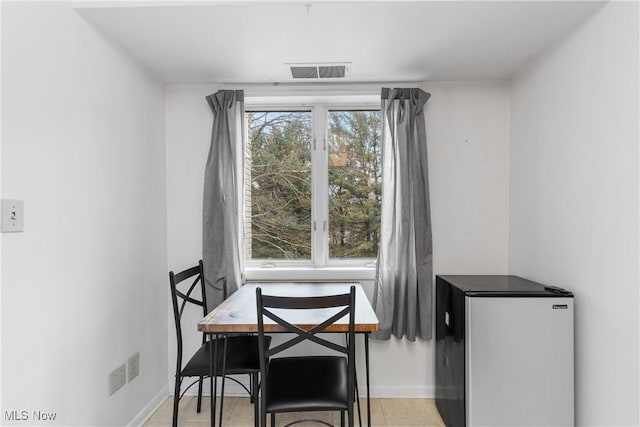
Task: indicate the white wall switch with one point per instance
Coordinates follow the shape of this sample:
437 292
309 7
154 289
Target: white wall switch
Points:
12 216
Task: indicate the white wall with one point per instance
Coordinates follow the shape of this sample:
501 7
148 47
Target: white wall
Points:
84 287
467 132
574 200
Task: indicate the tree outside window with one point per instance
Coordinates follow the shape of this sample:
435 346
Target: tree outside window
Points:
280 194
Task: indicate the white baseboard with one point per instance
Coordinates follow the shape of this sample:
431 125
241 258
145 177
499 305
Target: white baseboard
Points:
399 391
150 408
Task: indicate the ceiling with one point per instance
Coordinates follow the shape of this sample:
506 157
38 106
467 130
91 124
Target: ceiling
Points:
382 41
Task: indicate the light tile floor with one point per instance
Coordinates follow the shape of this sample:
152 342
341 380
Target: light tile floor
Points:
238 412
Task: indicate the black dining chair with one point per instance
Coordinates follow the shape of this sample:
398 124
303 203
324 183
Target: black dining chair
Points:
307 383
241 351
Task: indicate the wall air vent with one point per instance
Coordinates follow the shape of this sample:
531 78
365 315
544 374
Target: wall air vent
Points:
319 71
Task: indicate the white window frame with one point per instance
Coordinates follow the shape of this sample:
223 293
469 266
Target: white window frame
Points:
319 267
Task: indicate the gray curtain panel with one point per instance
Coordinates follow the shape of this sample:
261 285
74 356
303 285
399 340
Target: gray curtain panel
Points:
403 287
222 230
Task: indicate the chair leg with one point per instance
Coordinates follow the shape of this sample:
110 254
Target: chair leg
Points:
263 410
199 396
273 419
254 399
176 401
341 418
357 400
263 418
251 388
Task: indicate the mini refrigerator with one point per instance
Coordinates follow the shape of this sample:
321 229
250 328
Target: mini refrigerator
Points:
504 352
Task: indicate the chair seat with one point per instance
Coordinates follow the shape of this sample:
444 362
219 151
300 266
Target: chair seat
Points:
313 383
242 357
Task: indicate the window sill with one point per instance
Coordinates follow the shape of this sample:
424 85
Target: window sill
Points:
310 273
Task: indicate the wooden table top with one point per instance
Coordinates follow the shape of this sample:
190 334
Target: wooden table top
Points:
238 312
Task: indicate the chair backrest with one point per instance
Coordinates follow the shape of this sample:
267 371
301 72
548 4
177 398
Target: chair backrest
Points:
183 285
345 303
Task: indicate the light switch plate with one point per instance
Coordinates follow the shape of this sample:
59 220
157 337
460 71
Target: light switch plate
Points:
12 216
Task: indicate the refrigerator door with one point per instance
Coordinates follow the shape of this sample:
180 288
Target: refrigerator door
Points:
519 364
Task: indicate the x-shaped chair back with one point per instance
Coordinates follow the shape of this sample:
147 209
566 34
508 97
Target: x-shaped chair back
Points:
267 302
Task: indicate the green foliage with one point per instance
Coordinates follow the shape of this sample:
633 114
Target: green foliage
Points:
354 184
281 184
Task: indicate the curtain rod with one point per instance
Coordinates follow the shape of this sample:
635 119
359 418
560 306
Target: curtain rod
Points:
314 88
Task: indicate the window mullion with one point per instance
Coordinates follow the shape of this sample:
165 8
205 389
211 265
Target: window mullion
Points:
319 252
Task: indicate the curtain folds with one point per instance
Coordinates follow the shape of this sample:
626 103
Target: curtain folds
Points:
403 287
223 234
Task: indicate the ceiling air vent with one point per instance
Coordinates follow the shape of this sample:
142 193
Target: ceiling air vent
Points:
319 71
303 72
332 71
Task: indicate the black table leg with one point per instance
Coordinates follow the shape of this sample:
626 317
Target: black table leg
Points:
366 363
213 384
224 373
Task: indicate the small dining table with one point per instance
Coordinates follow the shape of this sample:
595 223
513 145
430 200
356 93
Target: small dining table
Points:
238 314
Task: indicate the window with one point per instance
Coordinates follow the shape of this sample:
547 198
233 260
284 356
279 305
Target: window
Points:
354 183
312 186
279 196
